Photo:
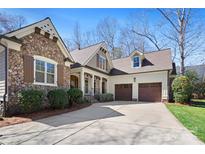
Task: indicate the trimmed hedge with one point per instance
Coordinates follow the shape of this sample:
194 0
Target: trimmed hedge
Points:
182 89
107 97
83 100
30 100
74 94
58 98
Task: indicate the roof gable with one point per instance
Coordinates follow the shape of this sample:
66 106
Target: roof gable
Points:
136 52
84 55
45 25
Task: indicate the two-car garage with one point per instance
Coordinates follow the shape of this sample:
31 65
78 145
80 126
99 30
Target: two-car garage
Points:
147 92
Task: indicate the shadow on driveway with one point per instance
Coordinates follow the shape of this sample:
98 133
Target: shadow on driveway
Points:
83 115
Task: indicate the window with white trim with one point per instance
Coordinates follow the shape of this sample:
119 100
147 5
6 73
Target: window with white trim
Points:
102 62
45 71
136 61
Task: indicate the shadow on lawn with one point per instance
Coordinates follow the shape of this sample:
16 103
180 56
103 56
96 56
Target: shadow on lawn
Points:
197 104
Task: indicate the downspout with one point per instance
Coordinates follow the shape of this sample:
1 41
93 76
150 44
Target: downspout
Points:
6 78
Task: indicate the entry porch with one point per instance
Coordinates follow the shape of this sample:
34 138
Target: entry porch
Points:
89 81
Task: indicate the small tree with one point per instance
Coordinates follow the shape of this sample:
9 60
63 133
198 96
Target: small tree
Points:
192 76
182 89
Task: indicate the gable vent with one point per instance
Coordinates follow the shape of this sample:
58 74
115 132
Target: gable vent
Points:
48 28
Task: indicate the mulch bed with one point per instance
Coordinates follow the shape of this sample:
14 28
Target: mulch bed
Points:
39 115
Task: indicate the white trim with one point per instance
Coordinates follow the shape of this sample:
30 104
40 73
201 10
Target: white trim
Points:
140 61
46 60
136 52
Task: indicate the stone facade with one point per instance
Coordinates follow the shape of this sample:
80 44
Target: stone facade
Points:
33 44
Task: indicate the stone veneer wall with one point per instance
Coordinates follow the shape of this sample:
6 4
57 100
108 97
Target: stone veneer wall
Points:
33 44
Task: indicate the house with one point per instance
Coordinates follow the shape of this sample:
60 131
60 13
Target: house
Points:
36 56
142 77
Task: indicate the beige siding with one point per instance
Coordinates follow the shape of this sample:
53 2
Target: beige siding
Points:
140 78
2 74
93 62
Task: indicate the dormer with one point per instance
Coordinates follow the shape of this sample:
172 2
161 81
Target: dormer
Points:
137 58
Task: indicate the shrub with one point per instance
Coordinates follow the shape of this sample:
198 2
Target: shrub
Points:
83 100
199 90
58 98
192 76
182 89
74 94
104 97
30 100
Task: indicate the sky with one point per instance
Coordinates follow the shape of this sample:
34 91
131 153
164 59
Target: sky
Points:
65 19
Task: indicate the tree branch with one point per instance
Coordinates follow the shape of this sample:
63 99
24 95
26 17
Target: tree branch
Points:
149 38
170 21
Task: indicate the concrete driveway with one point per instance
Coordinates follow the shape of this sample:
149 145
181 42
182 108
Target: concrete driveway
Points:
103 123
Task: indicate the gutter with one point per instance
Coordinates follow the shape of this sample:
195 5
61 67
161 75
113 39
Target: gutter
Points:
6 78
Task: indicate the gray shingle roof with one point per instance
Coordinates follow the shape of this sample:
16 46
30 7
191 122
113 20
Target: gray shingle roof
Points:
81 56
154 61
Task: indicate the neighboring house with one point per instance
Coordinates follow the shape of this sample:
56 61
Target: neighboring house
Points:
36 57
199 69
142 77
33 56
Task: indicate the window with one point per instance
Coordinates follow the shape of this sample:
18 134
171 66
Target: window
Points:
102 62
40 71
86 86
50 73
136 61
45 71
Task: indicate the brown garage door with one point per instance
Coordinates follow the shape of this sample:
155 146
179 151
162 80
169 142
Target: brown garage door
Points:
123 92
150 92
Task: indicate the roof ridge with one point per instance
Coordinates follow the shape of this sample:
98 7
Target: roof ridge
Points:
88 46
145 53
154 51
120 58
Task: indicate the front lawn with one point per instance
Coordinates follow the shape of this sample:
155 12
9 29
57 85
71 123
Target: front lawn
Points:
191 117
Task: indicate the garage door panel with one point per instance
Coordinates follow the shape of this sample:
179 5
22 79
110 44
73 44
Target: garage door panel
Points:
150 92
123 92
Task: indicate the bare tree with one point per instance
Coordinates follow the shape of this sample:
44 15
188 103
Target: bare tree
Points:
69 44
184 30
90 37
10 22
140 27
77 36
129 42
107 30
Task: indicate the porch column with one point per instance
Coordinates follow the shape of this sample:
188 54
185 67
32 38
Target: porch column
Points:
107 91
92 85
100 85
82 81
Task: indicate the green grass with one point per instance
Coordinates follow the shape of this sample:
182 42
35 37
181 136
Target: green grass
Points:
198 100
192 118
